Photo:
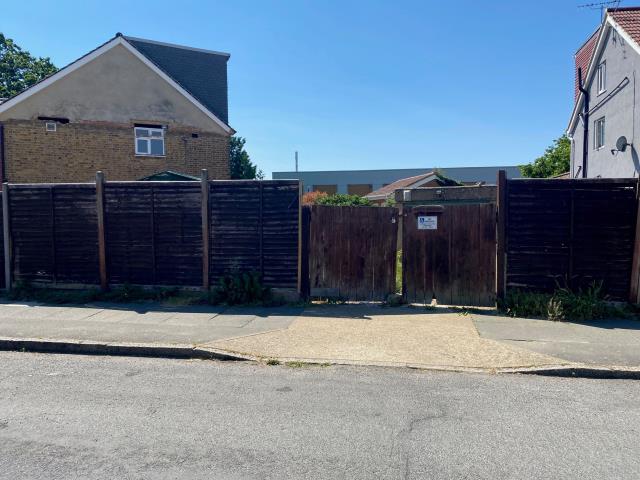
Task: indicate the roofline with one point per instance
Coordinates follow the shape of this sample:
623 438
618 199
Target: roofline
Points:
174 45
587 40
105 47
607 24
427 177
427 170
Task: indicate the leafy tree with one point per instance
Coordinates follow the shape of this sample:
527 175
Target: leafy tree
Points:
555 161
240 163
343 200
19 69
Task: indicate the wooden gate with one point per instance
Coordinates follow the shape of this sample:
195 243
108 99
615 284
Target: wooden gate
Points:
449 253
351 251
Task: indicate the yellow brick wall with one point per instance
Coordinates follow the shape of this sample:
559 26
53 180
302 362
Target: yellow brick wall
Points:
77 150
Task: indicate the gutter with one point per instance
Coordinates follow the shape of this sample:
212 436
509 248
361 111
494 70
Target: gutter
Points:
585 123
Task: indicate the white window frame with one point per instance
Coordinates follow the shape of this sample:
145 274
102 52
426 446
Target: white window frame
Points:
599 133
601 77
147 139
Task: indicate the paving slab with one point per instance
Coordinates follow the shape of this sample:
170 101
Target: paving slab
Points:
139 323
602 342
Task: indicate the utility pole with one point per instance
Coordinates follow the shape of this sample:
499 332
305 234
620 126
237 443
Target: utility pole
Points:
296 160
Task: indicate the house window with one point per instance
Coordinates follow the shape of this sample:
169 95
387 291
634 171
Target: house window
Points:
598 134
601 76
149 141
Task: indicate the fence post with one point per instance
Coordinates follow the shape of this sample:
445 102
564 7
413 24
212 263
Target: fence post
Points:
204 188
305 283
501 235
634 290
6 230
102 245
300 238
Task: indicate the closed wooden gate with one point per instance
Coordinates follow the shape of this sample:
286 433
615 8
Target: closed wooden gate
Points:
449 253
352 251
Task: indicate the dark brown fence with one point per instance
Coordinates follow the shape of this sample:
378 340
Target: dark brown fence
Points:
570 232
152 232
352 251
453 260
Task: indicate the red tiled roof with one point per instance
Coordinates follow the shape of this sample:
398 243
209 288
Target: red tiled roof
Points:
402 183
583 56
629 19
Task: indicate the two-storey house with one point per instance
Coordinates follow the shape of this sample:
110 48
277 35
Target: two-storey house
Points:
605 123
131 108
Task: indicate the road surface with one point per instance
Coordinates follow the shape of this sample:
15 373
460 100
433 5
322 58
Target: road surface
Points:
64 416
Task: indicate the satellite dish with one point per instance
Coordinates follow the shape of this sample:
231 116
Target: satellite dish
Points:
621 144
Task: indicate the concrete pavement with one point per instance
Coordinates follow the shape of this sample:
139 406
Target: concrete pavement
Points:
139 323
64 417
601 342
358 334
371 335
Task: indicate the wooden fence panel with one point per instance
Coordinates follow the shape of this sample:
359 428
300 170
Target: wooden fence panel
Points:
177 235
53 230
454 263
76 235
2 280
153 232
571 233
280 226
129 233
254 228
352 251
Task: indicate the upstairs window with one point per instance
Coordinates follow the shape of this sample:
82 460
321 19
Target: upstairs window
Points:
598 134
601 77
149 140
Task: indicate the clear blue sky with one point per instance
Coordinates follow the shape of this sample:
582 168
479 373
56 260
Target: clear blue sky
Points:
357 84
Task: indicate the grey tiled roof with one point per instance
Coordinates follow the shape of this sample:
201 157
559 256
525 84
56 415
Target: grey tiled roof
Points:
202 73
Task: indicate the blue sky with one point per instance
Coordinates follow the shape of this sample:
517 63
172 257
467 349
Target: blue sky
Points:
357 84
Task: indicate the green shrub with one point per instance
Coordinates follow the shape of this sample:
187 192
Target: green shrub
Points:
343 200
563 304
240 289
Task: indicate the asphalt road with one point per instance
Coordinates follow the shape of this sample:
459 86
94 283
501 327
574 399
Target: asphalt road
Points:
64 417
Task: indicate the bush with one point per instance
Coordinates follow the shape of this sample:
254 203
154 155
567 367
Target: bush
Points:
343 200
563 304
311 198
240 289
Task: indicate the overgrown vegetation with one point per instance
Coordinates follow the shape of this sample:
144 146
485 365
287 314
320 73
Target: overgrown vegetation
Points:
342 200
554 161
311 198
563 304
239 289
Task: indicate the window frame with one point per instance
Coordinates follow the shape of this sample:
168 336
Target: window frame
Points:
599 126
601 77
148 138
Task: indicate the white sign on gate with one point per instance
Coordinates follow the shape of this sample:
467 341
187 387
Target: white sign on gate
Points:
428 223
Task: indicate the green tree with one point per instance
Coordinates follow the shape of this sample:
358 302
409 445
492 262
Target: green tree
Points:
240 163
19 69
555 161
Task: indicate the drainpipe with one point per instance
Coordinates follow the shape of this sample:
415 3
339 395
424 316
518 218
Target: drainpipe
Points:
585 123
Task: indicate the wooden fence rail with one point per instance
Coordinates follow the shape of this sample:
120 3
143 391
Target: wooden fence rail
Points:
187 234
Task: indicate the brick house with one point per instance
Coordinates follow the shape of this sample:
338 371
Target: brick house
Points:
131 108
